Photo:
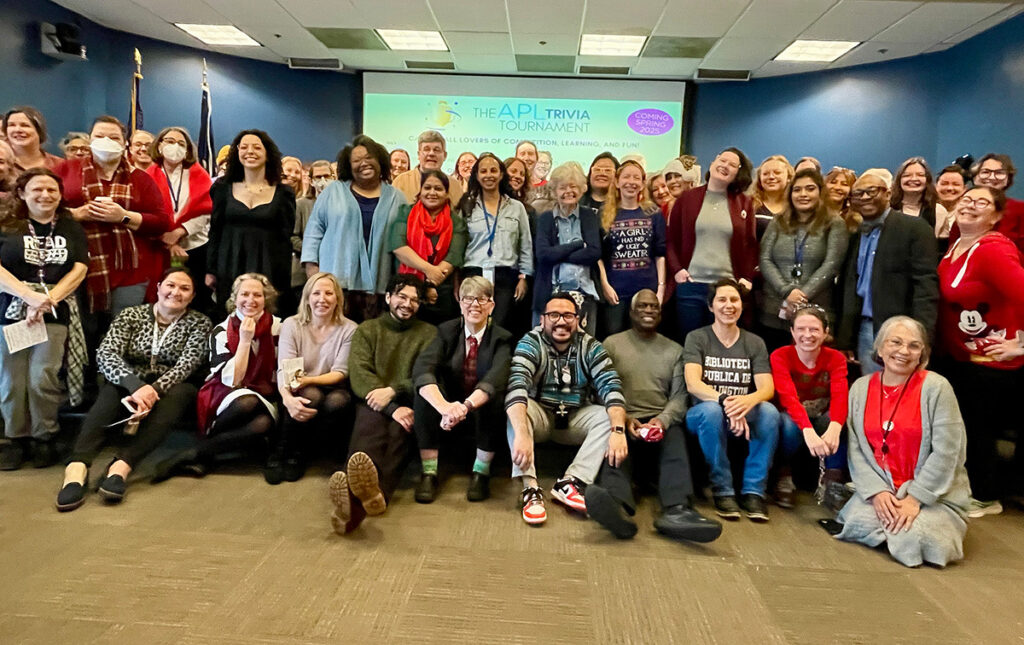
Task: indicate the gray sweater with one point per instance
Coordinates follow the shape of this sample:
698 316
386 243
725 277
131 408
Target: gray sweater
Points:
652 376
823 255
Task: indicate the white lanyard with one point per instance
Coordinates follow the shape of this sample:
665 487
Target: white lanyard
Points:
158 338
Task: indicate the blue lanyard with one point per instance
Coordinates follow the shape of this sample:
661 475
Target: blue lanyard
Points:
491 229
799 242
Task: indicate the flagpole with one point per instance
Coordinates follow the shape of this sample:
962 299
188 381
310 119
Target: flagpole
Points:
135 115
206 153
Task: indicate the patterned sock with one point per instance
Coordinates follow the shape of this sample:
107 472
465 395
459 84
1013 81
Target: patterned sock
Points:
429 466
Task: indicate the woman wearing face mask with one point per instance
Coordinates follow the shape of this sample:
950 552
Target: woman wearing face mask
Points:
43 259
430 244
148 357
253 218
801 253
123 214
500 247
772 178
185 187
25 130
633 248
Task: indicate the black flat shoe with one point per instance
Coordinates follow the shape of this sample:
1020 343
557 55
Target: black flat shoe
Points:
426 491
294 468
112 489
273 472
71 497
479 487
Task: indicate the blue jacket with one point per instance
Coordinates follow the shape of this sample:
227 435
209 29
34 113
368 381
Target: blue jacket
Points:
548 253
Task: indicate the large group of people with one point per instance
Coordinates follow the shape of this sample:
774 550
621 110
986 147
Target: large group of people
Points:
774 318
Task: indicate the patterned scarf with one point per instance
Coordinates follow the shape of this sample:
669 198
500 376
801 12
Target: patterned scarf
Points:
111 246
421 228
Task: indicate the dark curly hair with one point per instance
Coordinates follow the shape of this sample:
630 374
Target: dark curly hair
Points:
272 170
374 149
400 281
474 191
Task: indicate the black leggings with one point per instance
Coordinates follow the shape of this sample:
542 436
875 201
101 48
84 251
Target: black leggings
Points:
240 423
333 404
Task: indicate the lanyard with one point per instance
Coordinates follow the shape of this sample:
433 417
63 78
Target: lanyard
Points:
888 426
799 242
491 228
158 339
43 244
175 194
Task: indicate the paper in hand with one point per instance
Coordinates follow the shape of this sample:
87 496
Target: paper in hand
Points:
292 369
22 335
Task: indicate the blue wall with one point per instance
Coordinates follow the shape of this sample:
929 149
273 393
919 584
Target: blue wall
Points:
311 114
967 99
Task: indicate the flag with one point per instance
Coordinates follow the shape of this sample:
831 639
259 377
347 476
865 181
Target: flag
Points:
135 113
206 150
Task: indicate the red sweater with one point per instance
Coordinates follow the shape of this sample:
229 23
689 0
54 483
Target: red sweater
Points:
682 225
146 200
796 384
1011 225
982 300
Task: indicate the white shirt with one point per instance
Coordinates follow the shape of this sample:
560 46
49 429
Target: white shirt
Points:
479 336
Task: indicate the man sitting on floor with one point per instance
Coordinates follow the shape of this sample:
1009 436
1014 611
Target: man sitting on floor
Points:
556 370
383 352
651 369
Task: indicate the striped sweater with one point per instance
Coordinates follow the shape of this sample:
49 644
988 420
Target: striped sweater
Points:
538 369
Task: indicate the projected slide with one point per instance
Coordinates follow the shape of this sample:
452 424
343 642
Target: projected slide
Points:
572 129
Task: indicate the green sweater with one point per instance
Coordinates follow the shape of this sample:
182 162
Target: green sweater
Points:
383 353
652 375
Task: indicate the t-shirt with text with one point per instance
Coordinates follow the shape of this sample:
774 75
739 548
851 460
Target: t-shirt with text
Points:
730 370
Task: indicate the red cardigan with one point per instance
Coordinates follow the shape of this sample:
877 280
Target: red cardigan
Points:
982 300
199 202
743 250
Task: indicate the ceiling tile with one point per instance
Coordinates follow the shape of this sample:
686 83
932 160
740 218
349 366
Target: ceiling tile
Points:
478 15
987 23
193 12
324 13
470 42
607 16
396 14
782 68
546 64
607 61
338 38
677 47
363 59
294 40
857 19
527 16
936 21
562 44
751 52
782 19
668 67
253 12
487 63
699 18
869 53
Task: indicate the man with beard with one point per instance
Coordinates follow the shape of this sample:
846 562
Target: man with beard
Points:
889 271
556 371
651 369
380 371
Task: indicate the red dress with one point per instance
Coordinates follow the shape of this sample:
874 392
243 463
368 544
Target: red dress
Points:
903 445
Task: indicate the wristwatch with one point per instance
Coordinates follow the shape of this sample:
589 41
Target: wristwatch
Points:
618 429
722 398
469 405
125 220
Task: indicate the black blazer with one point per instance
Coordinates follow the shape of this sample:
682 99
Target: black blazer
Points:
547 252
441 362
903 280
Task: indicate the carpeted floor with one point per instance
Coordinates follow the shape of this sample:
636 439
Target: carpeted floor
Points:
229 559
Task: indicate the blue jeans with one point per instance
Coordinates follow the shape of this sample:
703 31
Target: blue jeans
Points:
692 310
865 347
707 420
791 439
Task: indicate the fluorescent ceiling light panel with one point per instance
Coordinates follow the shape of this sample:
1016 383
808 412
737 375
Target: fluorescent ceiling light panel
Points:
219 35
413 40
604 45
819 51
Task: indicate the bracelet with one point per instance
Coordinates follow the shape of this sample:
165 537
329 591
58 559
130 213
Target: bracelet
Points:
722 398
469 405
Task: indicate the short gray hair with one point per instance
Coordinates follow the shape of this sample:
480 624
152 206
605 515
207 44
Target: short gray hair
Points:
475 286
431 136
902 321
569 172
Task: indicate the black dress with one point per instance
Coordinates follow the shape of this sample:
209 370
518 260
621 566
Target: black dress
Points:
244 240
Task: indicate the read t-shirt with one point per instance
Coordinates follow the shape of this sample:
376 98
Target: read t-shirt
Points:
730 370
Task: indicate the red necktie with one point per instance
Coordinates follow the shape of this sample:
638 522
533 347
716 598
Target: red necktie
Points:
469 366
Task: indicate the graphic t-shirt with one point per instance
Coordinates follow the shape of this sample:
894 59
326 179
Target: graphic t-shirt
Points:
55 248
730 370
630 249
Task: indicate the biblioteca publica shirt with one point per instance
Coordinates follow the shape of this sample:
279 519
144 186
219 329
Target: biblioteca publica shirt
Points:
730 370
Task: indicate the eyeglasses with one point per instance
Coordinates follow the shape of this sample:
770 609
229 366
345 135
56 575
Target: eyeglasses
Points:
474 300
140 145
980 202
401 297
871 191
74 149
989 172
898 343
555 316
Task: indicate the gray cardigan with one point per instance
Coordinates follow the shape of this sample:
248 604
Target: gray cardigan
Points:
823 257
940 476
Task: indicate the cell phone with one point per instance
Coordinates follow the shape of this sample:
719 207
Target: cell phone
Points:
831 527
130 404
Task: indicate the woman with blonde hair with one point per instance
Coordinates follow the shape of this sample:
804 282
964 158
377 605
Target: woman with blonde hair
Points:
838 184
770 182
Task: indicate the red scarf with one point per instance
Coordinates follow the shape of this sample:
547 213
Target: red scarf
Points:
420 228
111 246
259 374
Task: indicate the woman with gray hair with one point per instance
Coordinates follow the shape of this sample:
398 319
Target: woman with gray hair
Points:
906 454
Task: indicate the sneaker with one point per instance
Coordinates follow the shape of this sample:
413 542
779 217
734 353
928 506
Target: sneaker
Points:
609 513
533 506
753 507
569 491
364 484
426 491
981 509
785 492
726 507
12 455
44 453
683 522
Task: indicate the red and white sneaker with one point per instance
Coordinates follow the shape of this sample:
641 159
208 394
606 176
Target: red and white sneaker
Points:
569 491
533 506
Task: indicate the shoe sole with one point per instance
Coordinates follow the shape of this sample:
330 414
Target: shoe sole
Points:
708 533
536 521
601 507
70 507
363 482
984 511
110 497
727 515
564 501
760 518
337 490
477 498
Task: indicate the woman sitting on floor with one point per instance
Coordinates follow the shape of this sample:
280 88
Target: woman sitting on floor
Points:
907 451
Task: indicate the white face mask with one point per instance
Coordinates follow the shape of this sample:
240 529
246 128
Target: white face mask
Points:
173 152
320 183
105 150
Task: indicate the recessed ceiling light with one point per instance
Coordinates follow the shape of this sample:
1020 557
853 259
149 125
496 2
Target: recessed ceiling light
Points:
414 40
218 34
821 51
605 45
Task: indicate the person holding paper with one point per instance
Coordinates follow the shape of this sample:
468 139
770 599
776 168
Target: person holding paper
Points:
147 358
43 258
312 375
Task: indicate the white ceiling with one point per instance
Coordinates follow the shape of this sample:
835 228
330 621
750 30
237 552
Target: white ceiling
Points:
486 35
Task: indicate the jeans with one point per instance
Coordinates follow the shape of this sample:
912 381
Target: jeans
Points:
691 308
791 439
707 420
865 347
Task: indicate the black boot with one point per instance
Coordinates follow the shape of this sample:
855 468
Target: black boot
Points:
609 512
684 523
